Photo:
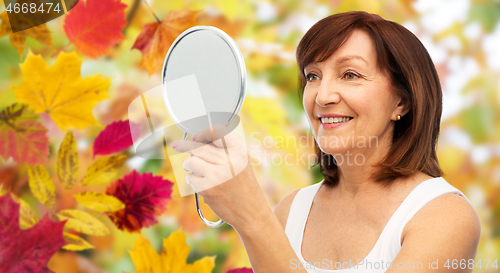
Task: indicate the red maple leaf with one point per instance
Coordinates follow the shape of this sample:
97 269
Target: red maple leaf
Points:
241 270
145 197
27 250
115 137
95 25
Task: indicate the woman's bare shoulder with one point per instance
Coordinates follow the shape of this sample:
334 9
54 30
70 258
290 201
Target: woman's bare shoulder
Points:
283 208
447 213
446 228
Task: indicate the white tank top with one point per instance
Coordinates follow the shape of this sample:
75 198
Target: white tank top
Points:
388 244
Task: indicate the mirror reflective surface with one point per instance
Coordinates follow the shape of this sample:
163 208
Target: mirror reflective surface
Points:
203 79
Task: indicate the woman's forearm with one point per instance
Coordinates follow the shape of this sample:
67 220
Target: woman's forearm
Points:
268 247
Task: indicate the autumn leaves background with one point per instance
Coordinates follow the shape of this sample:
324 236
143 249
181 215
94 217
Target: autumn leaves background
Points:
75 197
66 100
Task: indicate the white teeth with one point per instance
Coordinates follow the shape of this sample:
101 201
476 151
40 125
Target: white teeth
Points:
335 120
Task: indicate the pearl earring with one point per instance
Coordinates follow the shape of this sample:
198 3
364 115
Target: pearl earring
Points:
399 117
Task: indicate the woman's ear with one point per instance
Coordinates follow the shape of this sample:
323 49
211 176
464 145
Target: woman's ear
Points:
403 106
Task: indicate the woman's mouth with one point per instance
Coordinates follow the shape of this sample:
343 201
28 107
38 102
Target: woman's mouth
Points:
330 122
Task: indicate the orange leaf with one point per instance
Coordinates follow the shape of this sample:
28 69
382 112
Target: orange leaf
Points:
21 136
95 25
40 33
156 38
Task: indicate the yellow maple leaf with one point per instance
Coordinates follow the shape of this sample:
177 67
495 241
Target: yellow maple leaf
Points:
172 258
60 91
40 33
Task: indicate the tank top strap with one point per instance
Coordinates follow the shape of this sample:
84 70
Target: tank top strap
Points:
426 191
297 216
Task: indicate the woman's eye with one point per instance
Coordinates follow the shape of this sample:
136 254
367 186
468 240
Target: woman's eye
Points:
350 76
311 77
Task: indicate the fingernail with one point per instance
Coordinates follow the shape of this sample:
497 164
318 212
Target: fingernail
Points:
175 144
194 137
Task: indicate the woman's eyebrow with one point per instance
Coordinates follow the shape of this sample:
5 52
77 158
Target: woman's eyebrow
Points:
350 57
309 66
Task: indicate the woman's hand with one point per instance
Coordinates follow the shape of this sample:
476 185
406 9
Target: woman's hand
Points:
237 199
221 172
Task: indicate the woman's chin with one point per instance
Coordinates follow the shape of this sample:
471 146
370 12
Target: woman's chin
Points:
333 150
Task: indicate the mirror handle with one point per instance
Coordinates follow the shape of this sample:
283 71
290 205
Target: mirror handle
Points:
208 223
197 200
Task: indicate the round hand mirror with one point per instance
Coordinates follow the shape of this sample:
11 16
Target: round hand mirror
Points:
203 83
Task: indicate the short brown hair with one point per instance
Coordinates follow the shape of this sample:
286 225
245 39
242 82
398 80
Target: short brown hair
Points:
406 62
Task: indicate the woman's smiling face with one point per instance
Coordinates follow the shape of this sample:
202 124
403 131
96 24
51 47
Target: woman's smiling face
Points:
350 83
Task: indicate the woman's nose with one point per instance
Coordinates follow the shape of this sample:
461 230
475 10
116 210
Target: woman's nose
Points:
328 94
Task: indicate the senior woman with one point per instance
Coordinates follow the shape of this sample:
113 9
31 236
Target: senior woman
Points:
383 205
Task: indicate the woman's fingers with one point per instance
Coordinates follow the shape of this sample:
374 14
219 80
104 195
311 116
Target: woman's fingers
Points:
204 151
194 180
215 163
217 132
197 166
205 175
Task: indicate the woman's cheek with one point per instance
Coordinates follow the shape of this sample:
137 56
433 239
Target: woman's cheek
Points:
308 107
